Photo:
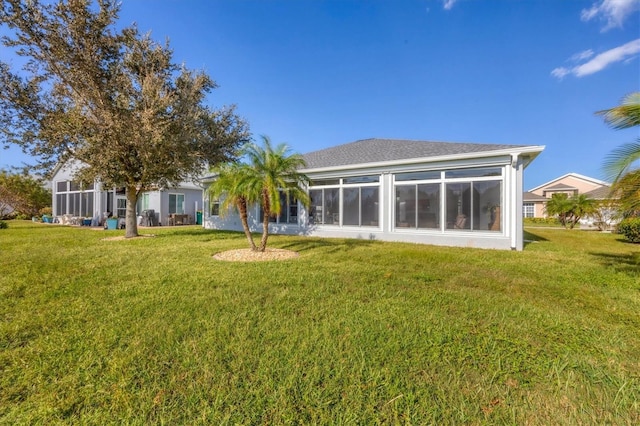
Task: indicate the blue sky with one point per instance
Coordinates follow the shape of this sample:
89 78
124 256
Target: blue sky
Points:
315 74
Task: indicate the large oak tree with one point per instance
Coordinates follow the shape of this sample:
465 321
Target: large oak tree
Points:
111 99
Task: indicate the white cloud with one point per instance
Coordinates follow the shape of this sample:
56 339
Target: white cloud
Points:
599 62
582 56
448 4
560 72
604 59
613 12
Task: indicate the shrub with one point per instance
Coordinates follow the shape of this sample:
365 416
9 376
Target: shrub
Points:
630 228
8 216
553 221
46 211
3 224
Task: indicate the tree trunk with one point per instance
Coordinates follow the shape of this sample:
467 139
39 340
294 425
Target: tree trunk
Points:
244 218
266 208
131 223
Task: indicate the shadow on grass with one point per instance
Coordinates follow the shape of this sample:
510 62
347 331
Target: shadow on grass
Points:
530 237
328 245
197 232
626 263
35 226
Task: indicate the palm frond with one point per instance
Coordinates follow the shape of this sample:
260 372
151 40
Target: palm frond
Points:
619 161
625 115
627 191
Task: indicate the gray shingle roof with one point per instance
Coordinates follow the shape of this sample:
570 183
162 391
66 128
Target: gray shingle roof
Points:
383 150
602 193
560 187
530 196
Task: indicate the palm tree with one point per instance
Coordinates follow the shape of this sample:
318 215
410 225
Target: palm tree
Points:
581 206
274 170
231 187
618 164
560 206
570 210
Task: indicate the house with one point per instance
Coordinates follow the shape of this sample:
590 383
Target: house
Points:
75 204
451 194
535 199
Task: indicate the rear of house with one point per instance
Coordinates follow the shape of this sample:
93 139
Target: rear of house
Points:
453 194
93 203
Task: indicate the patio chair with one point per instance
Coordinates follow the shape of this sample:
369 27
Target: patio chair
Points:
461 222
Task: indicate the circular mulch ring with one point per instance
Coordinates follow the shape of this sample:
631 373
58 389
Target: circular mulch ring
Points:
248 255
122 237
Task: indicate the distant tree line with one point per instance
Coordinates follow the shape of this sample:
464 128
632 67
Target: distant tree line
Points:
22 195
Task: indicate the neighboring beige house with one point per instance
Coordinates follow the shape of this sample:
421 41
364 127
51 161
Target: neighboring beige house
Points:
535 200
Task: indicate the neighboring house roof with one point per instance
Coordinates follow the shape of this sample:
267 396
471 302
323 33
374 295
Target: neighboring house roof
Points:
575 175
528 196
73 165
561 187
602 193
389 150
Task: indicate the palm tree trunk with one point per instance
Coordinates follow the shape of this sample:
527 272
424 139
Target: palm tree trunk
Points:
266 207
244 218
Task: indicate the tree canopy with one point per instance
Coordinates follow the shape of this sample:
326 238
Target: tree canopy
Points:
22 194
111 99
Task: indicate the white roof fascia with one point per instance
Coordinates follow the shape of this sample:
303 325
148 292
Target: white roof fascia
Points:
601 182
535 150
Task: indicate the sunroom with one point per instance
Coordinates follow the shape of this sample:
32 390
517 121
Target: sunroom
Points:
453 194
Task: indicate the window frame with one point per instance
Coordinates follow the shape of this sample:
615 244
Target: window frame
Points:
419 216
290 204
144 201
73 199
468 216
177 195
360 183
340 184
528 210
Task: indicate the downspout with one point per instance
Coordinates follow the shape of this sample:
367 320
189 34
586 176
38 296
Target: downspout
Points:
517 235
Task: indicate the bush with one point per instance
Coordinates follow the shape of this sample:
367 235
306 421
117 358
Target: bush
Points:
550 221
3 224
8 216
630 228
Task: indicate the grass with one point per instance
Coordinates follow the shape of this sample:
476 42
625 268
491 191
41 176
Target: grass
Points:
352 332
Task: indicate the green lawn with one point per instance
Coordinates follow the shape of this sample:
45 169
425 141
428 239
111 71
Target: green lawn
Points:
154 330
